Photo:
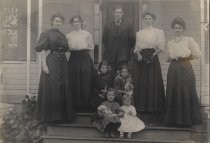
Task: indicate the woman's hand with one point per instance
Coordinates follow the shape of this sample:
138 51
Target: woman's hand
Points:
67 55
140 57
45 69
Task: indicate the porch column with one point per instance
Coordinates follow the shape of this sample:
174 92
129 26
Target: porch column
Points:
40 15
28 46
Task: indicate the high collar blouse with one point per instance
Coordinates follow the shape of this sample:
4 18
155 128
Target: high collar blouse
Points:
183 48
149 38
80 40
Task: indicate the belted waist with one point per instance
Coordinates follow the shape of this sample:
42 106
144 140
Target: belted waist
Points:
79 51
57 52
181 59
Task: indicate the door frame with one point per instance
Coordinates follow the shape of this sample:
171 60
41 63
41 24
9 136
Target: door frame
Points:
104 3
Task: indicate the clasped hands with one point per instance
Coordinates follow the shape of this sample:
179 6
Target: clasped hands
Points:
147 60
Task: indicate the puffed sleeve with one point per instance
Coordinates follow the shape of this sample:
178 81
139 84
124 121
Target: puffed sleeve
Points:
161 40
137 45
90 42
42 43
194 48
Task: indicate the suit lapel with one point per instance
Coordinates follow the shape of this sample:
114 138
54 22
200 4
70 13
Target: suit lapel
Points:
121 27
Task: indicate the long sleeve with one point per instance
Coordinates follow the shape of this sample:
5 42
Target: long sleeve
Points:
161 40
137 48
167 50
194 48
42 43
90 42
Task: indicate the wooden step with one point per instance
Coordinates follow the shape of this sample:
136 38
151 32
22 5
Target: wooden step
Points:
149 133
83 118
59 139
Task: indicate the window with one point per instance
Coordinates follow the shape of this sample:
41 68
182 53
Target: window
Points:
8 29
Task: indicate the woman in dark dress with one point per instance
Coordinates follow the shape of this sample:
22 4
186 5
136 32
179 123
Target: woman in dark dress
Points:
182 108
80 65
149 94
54 98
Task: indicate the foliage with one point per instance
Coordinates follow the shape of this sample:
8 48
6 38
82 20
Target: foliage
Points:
21 127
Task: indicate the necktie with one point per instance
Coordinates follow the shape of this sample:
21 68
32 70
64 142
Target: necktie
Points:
117 26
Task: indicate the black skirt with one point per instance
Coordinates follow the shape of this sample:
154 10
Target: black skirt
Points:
182 104
149 94
81 79
54 101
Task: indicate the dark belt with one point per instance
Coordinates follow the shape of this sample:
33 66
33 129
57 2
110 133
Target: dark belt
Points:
58 52
79 51
181 59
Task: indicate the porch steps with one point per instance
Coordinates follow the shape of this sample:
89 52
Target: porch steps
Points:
81 131
58 139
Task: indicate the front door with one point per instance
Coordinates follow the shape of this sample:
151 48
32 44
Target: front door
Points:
131 13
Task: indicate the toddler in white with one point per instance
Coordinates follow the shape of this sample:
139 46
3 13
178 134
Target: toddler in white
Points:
129 122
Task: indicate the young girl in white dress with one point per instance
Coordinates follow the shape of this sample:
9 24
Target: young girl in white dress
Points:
129 122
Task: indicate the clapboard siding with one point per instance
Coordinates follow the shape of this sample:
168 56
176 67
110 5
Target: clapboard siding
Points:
14 80
14 73
84 8
166 11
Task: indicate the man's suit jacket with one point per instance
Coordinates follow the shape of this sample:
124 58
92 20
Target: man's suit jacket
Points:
118 42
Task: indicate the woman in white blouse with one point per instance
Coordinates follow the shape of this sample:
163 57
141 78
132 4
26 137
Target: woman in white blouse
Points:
182 104
80 65
149 95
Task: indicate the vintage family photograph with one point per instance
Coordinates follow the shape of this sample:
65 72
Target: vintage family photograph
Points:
104 71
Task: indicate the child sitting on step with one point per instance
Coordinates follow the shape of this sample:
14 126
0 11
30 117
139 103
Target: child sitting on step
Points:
122 82
129 122
106 118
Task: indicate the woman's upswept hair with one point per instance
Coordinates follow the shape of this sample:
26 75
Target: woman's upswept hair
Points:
57 15
77 17
149 13
178 20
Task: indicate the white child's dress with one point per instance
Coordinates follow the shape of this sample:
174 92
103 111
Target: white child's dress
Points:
130 123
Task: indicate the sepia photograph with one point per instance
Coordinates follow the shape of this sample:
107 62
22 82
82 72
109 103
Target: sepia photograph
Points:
104 71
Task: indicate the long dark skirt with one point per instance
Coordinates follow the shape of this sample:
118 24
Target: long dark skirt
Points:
182 104
81 79
54 98
149 95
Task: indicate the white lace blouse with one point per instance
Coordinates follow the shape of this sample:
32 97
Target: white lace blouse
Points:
80 40
149 38
183 48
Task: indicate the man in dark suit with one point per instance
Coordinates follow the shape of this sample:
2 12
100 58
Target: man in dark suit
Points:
118 39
